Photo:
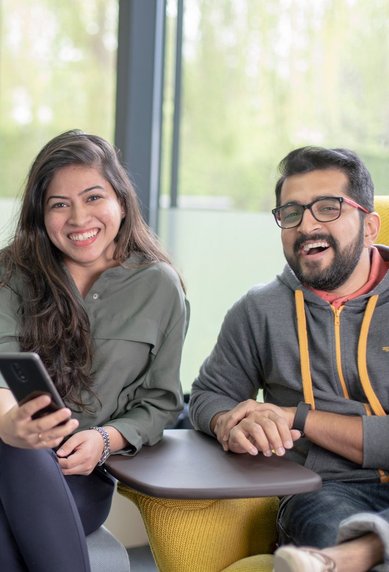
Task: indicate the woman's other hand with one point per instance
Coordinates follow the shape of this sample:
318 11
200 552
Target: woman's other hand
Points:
80 454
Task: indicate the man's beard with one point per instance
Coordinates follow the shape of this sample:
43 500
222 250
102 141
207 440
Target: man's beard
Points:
338 272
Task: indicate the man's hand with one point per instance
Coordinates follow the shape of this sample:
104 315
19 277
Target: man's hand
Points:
253 427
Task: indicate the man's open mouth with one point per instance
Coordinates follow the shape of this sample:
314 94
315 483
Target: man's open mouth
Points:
315 247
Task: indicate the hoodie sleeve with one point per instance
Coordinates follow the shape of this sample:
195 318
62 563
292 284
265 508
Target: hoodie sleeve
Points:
231 373
375 442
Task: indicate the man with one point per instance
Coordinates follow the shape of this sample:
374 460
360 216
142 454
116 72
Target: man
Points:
316 341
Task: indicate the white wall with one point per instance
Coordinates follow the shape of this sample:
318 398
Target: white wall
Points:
126 523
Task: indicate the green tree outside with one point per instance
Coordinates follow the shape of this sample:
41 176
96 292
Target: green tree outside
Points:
57 72
262 77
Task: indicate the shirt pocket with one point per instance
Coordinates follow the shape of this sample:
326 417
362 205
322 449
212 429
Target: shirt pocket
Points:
135 329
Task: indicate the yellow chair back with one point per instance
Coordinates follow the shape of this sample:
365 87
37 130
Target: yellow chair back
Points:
381 205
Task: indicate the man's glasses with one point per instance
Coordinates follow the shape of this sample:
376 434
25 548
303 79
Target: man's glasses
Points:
325 209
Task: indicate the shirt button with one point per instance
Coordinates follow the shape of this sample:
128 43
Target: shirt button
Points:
95 296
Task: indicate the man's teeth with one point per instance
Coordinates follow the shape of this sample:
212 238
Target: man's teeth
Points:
83 235
318 244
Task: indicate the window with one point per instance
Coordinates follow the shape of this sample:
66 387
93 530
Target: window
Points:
259 79
57 66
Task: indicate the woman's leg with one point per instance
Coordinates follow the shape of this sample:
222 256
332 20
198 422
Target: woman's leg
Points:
41 514
10 557
93 497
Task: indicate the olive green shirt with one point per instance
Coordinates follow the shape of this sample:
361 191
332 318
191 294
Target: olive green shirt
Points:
138 318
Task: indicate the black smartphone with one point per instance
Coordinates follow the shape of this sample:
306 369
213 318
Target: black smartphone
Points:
27 378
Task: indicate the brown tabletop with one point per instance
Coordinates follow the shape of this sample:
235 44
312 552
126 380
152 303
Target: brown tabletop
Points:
187 464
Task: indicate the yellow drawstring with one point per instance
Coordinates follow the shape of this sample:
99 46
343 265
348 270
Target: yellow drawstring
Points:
304 352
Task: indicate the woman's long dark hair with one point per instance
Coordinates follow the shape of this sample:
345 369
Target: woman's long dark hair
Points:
53 323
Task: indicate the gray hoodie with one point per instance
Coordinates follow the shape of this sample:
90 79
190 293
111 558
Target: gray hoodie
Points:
259 348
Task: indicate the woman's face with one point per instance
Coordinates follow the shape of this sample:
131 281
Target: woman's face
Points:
82 216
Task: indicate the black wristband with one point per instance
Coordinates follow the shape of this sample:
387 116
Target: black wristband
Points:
301 416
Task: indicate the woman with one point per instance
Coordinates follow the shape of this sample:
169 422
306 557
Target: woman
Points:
86 286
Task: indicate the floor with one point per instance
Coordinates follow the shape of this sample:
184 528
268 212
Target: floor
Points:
141 559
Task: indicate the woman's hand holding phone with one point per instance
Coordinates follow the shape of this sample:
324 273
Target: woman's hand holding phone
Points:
18 428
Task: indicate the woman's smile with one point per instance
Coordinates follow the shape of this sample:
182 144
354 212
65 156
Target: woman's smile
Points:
82 217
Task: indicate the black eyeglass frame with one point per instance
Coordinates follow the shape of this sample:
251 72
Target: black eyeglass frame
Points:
341 200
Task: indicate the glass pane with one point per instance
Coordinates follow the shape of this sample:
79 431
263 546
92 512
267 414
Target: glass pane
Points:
221 255
57 72
259 79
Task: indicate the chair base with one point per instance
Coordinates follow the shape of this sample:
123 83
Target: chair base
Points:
106 552
211 535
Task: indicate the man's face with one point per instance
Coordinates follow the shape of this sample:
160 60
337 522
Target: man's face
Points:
323 255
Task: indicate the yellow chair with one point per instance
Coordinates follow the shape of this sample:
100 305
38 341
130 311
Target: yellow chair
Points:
381 205
229 535
205 510
223 535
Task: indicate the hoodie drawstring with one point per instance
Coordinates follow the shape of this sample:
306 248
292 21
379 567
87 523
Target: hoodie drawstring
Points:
362 350
304 350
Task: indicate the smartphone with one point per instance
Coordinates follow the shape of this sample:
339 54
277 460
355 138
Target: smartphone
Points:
27 378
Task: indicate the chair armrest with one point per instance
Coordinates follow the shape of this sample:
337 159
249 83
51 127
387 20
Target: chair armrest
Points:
187 535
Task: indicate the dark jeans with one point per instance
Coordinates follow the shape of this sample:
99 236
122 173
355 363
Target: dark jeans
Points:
312 519
45 516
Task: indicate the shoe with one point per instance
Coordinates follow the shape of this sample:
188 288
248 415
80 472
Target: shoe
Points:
303 559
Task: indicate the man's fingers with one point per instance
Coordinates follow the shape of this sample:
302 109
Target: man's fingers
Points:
229 419
296 434
251 427
239 442
276 430
261 433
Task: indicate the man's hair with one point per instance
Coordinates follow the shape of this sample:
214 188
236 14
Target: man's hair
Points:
306 159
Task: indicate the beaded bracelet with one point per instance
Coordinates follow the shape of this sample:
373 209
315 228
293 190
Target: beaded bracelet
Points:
107 447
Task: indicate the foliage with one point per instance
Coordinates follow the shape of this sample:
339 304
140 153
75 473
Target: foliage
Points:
259 78
263 77
57 72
